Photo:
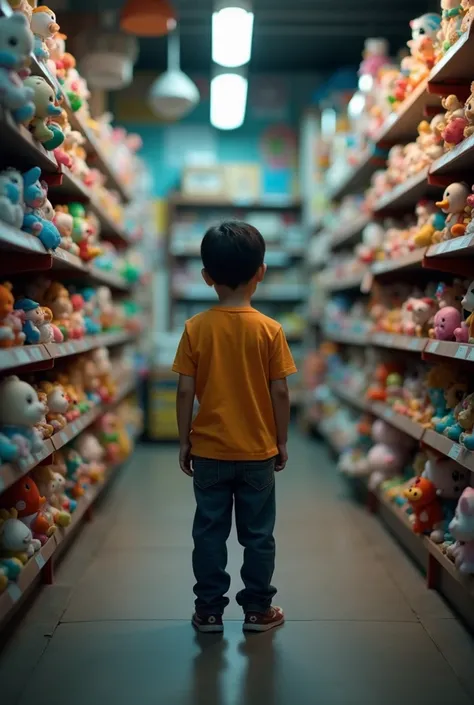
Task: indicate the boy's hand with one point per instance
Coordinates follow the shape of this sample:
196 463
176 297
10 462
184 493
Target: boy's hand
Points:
185 458
282 458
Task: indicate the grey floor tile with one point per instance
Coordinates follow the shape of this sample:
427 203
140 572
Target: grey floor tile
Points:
332 663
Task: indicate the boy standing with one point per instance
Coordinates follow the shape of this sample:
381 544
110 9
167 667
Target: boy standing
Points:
235 360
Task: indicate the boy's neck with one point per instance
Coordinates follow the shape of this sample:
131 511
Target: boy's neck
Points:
234 297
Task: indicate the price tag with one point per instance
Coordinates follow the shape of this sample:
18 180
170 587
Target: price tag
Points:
470 357
388 413
442 247
455 451
414 344
461 352
22 356
40 562
64 436
60 253
432 347
36 353
14 591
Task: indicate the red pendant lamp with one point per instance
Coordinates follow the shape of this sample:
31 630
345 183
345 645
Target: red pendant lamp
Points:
148 18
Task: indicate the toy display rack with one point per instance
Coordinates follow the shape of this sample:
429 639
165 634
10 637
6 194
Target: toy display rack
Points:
451 75
23 253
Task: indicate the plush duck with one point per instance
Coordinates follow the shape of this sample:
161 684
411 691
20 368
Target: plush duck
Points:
455 206
43 26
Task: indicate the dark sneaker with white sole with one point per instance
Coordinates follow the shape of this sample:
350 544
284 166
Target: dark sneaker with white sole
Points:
264 621
208 623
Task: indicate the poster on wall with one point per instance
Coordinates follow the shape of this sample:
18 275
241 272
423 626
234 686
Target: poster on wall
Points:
278 147
269 97
189 145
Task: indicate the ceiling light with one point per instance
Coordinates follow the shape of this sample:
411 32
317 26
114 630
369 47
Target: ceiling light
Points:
173 95
232 28
228 100
148 18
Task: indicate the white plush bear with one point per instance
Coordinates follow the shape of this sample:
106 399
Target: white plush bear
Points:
16 45
20 410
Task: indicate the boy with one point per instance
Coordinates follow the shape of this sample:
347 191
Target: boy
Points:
235 360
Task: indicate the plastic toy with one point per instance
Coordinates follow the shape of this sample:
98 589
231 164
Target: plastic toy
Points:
24 496
33 317
16 539
446 321
16 45
454 205
11 197
429 221
34 221
43 26
465 333
422 497
20 410
462 528
44 99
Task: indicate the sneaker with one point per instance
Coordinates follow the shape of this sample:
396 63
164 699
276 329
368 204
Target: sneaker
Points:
264 621
208 623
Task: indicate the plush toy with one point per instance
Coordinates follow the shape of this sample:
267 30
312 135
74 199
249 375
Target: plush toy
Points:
422 312
20 410
23 6
446 321
44 428
16 45
450 480
35 221
57 402
93 453
465 420
421 496
43 26
49 333
10 569
451 22
51 485
7 333
389 455
451 295
454 205
454 124
33 317
465 333
56 297
16 539
462 528
63 220
45 108
11 197
25 497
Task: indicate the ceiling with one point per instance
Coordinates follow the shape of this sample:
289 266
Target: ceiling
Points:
290 35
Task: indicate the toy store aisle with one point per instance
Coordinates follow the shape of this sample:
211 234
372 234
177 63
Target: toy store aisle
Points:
361 630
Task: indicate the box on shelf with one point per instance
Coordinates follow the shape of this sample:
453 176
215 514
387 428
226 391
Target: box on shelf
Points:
205 181
243 182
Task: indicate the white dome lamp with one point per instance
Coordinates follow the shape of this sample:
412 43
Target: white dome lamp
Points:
173 95
107 55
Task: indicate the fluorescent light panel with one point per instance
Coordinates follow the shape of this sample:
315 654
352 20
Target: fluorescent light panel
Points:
228 101
232 29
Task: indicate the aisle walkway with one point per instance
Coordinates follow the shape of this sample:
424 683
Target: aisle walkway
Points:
114 629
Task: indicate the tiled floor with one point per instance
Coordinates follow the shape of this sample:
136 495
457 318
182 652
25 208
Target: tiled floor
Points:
362 628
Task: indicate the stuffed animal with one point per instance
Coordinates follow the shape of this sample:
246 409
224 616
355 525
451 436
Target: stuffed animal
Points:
450 480
93 453
389 455
465 333
446 322
43 26
454 205
465 419
51 485
16 45
20 410
57 298
44 99
16 539
33 317
462 528
24 496
421 496
422 312
7 333
35 221
57 402
11 197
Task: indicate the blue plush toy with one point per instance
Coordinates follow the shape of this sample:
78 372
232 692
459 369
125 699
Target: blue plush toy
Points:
33 316
35 201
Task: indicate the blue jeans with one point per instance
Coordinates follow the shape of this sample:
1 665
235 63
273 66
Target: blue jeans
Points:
217 484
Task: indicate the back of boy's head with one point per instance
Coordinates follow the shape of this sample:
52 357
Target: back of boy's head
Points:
232 253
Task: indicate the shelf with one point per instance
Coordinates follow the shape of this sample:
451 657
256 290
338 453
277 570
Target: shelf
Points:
456 351
403 423
457 247
21 356
183 201
335 282
348 233
347 337
11 472
357 178
398 342
357 401
456 162
410 261
19 146
447 447
401 126
405 196
455 67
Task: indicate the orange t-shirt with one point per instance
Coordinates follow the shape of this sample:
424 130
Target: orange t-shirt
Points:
234 353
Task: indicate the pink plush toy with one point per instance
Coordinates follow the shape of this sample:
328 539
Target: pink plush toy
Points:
446 322
389 455
462 528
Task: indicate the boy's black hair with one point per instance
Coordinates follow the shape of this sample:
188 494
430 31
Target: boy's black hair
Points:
232 253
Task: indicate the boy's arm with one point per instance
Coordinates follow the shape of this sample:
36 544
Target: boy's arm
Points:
281 411
184 414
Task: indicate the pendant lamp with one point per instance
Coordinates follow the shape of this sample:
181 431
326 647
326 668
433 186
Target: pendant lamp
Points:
173 95
148 18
